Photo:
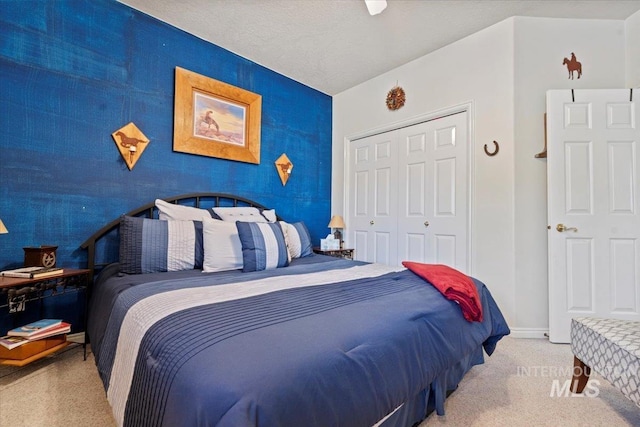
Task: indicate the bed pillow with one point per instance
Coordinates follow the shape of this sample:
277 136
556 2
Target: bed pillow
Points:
263 246
269 214
298 239
242 213
168 211
222 248
150 245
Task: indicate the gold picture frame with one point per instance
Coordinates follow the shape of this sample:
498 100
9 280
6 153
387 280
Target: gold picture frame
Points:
216 119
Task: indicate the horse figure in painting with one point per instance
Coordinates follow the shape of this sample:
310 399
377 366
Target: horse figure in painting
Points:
573 65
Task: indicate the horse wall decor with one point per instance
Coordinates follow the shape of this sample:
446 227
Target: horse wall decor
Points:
573 65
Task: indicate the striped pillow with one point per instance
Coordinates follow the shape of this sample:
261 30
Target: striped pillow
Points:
298 239
150 245
263 246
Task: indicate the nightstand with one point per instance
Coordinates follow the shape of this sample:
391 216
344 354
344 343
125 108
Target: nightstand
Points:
15 292
338 253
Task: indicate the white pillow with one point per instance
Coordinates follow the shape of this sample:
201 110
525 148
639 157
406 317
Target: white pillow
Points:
222 247
243 213
270 214
168 211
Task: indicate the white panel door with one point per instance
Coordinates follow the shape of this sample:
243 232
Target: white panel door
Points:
408 194
432 207
373 198
593 207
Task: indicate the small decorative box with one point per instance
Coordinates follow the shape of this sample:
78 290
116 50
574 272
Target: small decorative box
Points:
40 256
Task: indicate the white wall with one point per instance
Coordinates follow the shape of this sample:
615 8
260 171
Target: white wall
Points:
477 69
632 34
504 72
541 45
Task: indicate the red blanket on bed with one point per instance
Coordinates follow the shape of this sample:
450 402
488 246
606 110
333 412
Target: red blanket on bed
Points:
453 284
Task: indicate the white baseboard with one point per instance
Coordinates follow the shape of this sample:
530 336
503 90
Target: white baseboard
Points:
530 333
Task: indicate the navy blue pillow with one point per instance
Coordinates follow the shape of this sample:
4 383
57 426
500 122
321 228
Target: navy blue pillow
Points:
263 246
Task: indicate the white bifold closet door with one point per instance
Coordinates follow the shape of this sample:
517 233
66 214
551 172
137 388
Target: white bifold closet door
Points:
408 194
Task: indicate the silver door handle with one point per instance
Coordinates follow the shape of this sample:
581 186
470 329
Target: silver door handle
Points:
426 223
371 222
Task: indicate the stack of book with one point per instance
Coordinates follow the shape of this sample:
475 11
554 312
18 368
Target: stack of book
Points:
38 330
32 272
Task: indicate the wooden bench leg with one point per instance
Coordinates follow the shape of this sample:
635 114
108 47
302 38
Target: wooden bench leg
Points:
581 374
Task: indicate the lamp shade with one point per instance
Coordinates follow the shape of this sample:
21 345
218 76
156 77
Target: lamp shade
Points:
375 6
336 222
3 229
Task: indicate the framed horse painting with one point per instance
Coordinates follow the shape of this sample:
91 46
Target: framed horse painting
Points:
215 119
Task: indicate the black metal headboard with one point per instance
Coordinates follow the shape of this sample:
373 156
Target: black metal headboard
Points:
103 245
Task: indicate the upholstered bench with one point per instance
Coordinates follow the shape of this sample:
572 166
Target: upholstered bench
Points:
611 348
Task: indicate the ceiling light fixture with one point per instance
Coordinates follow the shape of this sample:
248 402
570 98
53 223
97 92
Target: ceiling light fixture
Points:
376 6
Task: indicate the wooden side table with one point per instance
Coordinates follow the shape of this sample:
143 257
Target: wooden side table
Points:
338 253
15 292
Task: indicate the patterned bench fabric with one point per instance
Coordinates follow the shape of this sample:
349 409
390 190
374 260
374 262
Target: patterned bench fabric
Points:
611 348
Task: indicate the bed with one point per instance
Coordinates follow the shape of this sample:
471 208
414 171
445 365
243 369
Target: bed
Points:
268 336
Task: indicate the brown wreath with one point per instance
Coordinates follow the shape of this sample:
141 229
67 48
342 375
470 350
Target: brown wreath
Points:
395 98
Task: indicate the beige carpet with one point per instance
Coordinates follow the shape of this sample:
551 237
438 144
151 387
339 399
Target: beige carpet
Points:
512 388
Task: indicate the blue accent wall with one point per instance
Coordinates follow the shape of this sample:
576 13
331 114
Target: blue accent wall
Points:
74 71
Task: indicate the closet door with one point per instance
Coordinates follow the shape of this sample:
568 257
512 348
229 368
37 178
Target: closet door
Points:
373 198
433 195
408 194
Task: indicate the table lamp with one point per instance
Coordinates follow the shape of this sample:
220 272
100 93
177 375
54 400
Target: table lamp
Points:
338 223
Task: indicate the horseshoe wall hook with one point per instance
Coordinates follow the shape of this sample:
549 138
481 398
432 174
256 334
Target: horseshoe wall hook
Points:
494 151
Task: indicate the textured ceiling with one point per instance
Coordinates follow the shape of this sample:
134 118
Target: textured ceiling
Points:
332 45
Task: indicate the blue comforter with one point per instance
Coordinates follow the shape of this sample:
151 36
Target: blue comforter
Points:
281 348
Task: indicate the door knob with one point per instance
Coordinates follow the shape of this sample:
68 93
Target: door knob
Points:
371 222
426 223
562 227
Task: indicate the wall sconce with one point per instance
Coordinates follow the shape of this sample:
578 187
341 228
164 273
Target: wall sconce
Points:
284 168
131 142
132 154
3 229
338 223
